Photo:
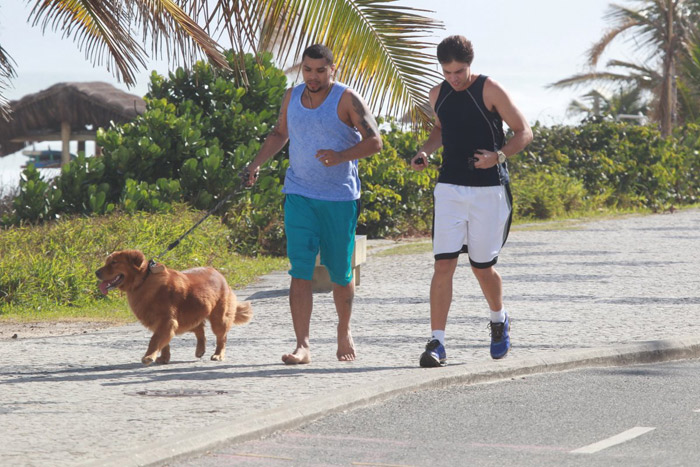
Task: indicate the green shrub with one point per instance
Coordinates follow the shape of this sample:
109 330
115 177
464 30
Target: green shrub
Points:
84 187
36 198
396 200
154 197
547 195
199 129
621 165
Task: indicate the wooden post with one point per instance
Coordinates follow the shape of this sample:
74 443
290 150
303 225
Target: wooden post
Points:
65 139
321 280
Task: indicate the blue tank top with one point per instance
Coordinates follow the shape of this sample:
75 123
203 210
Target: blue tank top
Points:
320 128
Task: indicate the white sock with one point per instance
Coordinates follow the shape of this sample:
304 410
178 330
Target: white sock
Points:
498 316
439 335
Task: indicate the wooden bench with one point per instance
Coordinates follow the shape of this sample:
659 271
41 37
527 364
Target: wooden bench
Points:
321 282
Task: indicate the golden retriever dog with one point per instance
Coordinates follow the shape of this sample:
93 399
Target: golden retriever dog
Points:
170 302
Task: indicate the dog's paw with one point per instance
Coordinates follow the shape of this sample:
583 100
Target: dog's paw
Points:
163 359
147 360
199 353
217 357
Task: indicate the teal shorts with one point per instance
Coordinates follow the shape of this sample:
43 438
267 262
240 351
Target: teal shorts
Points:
313 225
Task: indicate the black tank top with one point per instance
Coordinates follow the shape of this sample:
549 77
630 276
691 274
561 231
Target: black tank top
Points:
467 125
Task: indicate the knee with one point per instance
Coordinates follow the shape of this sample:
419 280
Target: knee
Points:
485 274
348 287
445 267
344 293
301 286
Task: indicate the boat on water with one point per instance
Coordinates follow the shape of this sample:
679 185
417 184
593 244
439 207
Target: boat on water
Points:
44 159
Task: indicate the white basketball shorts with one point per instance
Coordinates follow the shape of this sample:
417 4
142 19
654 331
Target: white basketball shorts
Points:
473 220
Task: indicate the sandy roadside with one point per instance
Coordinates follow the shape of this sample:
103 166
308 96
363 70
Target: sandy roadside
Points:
28 330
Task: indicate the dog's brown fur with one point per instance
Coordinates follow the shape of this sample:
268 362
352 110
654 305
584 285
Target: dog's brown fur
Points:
172 302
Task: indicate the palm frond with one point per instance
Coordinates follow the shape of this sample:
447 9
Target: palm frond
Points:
7 72
583 79
576 106
627 100
689 84
630 100
172 31
688 102
237 21
691 66
599 47
103 29
379 46
646 77
648 22
100 27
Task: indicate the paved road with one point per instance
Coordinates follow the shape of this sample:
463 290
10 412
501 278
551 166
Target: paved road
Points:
639 415
590 294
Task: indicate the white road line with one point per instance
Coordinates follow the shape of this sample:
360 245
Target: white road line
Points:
612 441
698 410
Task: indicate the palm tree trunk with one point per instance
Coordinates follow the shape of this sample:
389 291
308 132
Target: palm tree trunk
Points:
666 98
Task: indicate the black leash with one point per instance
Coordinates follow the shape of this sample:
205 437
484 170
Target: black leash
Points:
244 179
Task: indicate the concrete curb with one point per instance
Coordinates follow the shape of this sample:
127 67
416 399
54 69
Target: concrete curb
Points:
264 423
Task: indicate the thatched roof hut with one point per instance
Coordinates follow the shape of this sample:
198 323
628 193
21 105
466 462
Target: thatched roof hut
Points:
66 112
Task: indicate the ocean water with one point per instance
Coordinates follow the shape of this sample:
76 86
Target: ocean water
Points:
11 168
10 171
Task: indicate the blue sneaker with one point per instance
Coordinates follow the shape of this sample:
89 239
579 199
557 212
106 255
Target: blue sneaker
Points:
500 338
434 355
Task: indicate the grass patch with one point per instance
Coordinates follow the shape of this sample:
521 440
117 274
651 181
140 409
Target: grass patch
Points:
407 249
47 271
578 222
573 224
114 311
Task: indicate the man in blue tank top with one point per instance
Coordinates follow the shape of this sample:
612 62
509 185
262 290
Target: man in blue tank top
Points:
329 128
472 199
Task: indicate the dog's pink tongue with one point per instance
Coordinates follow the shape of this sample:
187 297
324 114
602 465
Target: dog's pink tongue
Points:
103 287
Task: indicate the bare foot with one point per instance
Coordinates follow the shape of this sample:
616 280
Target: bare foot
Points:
300 355
346 348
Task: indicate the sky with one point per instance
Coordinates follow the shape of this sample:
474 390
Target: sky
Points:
522 45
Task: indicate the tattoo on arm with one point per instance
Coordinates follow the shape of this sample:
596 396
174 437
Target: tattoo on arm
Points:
275 132
366 119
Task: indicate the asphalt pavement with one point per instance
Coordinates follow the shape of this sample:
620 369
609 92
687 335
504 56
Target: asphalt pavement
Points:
645 415
600 293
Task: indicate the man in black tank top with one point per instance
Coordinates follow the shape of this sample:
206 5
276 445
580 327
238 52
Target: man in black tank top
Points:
472 199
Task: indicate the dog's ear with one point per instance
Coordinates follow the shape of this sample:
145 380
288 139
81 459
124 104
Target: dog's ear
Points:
138 259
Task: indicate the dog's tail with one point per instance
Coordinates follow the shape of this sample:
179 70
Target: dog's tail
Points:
244 313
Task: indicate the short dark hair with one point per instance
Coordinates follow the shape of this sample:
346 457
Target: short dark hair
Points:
455 49
318 51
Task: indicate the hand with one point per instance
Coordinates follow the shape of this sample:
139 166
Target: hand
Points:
329 157
485 159
249 175
419 161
